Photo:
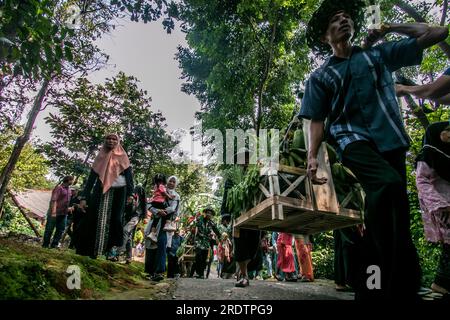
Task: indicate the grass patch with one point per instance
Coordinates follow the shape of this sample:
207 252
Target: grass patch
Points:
28 271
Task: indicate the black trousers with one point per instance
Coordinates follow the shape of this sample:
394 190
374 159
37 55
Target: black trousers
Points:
150 257
347 244
192 269
387 242
200 261
443 272
173 267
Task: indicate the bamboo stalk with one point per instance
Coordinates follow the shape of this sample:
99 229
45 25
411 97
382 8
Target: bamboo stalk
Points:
22 211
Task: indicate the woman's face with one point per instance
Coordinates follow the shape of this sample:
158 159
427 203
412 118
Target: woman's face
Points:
445 136
208 215
171 183
111 141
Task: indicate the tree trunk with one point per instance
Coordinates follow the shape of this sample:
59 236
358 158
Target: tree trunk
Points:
265 77
147 174
408 9
91 150
21 141
22 211
444 13
417 111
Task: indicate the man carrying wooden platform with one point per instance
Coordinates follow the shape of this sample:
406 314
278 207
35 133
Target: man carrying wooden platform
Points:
353 93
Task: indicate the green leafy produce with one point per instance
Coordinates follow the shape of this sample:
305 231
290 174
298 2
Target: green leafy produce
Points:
293 154
242 194
345 183
332 154
299 139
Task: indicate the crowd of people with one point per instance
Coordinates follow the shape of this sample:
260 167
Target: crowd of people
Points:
102 219
351 102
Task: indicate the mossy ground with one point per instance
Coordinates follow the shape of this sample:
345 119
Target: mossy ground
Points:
28 271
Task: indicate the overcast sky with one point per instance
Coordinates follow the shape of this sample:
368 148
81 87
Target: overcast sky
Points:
147 52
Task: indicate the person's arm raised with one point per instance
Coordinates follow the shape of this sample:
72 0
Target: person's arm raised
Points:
426 35
433 91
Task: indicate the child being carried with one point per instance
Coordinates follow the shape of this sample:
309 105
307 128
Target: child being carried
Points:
159 200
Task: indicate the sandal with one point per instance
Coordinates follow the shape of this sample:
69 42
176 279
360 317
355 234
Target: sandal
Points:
244 282
291 278
158 277
344 289
304 279
438 289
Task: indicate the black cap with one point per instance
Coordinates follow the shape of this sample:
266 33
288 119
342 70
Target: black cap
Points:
210 209
318 24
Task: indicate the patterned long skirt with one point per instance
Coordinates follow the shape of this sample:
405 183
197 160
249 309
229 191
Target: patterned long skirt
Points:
109 231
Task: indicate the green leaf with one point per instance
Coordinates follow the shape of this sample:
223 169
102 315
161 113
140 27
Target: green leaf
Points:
58 53
68 54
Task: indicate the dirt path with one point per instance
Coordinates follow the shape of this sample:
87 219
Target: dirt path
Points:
150 290
218 289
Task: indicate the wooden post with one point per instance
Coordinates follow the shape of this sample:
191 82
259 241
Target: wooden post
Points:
236 232
22 211
279 211
324 196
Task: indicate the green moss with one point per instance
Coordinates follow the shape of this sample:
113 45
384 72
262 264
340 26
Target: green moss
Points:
28 271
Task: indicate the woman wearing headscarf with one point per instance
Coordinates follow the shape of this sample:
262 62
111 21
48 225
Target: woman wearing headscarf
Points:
156 254
108 188
433 185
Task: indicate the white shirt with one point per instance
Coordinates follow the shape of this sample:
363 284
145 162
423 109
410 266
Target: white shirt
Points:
119 182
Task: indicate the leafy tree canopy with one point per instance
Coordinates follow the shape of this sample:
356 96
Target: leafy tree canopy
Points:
87 112
32 168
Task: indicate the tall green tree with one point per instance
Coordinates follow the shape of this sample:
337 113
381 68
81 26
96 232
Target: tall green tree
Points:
87 112
193 178
32 37
80 55
39 40
32 168
242 59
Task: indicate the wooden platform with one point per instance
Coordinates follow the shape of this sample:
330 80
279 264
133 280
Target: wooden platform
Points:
289 202
299 217
189 254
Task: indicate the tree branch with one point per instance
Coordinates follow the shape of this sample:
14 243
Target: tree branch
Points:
22 211
266 74
8 169
255 32
417 111
444 13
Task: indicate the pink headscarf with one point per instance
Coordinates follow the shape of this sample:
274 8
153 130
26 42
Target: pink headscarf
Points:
109 164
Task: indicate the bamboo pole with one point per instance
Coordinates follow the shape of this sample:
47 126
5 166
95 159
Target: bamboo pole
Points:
22 211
